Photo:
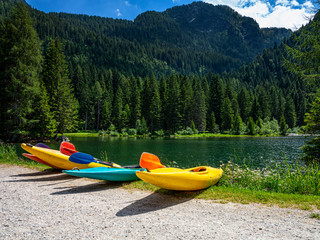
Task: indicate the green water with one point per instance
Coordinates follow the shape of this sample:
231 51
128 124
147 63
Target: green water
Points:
192 152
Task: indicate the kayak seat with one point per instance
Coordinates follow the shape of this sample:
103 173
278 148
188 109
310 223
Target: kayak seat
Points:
132 166
199 169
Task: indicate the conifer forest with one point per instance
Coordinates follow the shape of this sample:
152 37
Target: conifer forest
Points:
159 74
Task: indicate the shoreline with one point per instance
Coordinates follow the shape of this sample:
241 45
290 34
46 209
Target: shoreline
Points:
53 205
201 135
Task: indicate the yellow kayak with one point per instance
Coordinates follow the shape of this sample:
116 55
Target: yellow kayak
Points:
182 179
62 161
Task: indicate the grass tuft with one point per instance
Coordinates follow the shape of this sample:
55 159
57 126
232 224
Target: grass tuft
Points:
8 155
278 177
315 215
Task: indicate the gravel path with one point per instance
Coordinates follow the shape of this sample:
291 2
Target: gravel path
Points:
53 205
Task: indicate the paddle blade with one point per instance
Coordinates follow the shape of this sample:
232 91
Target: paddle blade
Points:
81 158
67 148
150 161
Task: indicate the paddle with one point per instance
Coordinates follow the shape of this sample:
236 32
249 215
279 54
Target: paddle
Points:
150 161
84 158
67 148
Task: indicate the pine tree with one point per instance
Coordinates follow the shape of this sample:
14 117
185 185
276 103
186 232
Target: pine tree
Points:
117 108
283 125
172 111
227 115
186 96
107 98
46 125
135 102
199 107
212 126
216 98
60 91
244 104
106 111
98 96
290 112
20 65
206 90
146 96
164 102
237 126
155 106
264 103
251 127
256 110
313 117
124 118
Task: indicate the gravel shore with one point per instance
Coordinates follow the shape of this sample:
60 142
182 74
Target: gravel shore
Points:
53 205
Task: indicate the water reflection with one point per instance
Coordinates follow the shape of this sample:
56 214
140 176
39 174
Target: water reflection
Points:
191 152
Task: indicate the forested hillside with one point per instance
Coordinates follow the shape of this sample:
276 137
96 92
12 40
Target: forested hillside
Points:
187 39
157 74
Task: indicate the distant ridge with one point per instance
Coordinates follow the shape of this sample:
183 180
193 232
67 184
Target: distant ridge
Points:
189 39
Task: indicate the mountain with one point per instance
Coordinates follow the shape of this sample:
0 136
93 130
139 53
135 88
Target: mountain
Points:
159 49
188 39
224 30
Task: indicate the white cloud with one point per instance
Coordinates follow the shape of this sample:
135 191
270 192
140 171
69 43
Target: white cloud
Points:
118 13
308 4
281 16
295 3
231 3
256 11
282 2
282 13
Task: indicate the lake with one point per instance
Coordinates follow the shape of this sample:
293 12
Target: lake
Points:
191 152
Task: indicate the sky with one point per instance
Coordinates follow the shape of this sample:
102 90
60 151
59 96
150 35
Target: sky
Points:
268 13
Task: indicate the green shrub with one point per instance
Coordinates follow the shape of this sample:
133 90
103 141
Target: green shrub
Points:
124 132
159 133
187 131
102 133
269 127
114 133
112 128
132 131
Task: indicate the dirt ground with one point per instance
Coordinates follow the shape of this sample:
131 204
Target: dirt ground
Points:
53 205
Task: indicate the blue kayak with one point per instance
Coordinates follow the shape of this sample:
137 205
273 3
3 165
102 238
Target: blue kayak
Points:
105 173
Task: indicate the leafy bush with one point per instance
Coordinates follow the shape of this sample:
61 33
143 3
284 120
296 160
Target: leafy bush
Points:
111 128
269 127
102 133
187 131
251 127
132 131
159 133
124 132
141 127
114 133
